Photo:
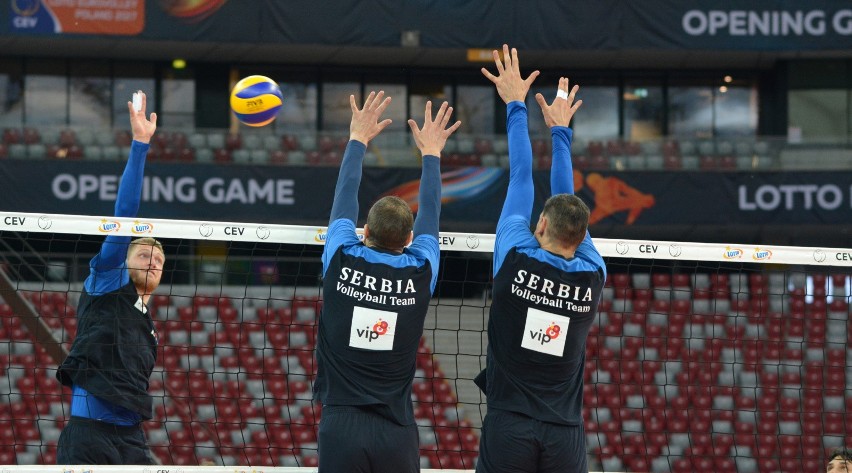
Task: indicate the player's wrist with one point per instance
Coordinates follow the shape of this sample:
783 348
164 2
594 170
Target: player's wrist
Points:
359 138
142 139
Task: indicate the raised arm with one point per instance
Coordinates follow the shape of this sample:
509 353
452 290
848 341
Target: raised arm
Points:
129 195
431 140
513 89
558 116
363 128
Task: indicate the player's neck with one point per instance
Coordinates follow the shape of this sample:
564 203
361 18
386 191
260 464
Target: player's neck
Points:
144 294
372 244
555 247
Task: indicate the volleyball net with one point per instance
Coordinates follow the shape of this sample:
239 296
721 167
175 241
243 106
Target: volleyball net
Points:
703 356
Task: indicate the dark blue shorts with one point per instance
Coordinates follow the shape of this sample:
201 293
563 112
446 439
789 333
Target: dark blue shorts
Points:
358 440
91 442
515 443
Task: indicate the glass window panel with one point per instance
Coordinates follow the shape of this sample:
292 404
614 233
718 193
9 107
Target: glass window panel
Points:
691 111
597 118
90 102
475 107
643 110
178 103
90 99
821 115
423 91
123 88
336 112
396 109
299 110
11 95
735 111
46 100
538 129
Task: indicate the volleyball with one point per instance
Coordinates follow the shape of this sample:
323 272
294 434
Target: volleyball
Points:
256 100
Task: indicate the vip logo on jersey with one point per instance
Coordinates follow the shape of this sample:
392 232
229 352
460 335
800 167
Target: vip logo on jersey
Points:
553 331
380 328
140 228
109 226
542 332
372 329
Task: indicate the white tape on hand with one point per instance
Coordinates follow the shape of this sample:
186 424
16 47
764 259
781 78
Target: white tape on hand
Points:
137 101
561 94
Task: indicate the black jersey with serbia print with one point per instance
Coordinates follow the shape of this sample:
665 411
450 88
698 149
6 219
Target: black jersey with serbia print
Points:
375 304
543 304
541 313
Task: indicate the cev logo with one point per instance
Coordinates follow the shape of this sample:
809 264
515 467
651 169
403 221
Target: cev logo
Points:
139 228
109 226
25 7
732 253
761 255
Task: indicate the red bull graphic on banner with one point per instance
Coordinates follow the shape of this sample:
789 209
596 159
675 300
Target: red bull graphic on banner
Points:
191 11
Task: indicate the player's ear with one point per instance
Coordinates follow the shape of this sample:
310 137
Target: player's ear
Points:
541 226
410 238
366 231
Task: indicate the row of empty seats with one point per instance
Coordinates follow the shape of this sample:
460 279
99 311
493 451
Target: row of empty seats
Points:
388 149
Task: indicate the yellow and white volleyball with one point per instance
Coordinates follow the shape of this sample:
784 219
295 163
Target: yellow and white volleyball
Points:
256 100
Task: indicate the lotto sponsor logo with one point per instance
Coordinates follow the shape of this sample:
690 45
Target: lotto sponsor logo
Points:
322 235
761 254
140 228
109 226
732 253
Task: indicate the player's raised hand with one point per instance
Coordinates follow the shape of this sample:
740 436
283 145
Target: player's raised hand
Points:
563 107
141 127
365 121
510 85
433 136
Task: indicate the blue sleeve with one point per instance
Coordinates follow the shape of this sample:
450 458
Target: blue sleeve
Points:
344 210
348 181
561 172
341 232
520 195
106 269
588 251
513 226
512 232
426 246
429 209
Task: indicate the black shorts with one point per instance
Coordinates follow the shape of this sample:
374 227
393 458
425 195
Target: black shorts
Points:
357 440
515 443
91 442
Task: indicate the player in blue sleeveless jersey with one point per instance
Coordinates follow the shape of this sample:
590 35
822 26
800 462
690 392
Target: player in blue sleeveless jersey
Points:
547 285
115 349
375 297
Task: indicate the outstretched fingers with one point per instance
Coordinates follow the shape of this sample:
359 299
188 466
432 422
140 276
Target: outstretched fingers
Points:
501 67
541 101
449 131
414 128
